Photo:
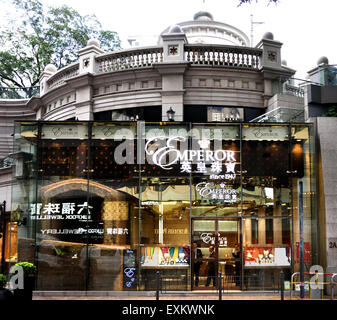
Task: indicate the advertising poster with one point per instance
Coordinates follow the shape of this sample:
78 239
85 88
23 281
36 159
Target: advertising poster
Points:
129 269
307 253
264 256
165 256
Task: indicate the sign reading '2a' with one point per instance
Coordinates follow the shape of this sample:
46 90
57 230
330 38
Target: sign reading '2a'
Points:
332 243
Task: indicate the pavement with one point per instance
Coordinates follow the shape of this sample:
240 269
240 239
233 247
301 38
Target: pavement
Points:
151 295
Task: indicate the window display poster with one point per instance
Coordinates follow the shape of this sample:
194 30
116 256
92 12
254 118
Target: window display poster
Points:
165 256
307 253
266 256
129 269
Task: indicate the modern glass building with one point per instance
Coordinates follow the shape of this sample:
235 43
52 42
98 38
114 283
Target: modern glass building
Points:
107 204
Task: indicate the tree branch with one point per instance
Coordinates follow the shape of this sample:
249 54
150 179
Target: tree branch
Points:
11 80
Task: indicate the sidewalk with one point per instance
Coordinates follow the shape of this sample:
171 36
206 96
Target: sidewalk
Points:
151 295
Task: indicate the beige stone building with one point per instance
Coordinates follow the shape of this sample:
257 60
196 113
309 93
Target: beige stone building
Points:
127 158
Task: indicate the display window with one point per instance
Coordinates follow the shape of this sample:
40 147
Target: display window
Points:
108 204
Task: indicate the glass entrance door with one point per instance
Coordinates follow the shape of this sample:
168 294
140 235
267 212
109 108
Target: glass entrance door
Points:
213 251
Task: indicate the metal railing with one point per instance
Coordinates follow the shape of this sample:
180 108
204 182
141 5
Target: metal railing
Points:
220 284
312 287
164 283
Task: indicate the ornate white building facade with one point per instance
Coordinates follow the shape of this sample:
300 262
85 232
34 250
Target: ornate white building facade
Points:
202 75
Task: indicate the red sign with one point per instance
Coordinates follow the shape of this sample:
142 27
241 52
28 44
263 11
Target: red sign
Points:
307 253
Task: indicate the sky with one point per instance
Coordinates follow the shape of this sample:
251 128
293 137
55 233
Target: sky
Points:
305 27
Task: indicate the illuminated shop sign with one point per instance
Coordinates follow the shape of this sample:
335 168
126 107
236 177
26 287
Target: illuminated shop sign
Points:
115 132
60 211
70 211
265 133
117 231
209 238
64 131
172 231
167 156
150 203
209 190
72 231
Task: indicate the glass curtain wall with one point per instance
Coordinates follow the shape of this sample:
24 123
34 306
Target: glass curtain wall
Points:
108 204
113 199
216 204
165 207
266 204
23 192
61 211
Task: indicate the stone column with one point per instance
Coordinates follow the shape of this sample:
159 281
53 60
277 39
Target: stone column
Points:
172 70
82 83
271 64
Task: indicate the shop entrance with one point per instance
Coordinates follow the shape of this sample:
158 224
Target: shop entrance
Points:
213 251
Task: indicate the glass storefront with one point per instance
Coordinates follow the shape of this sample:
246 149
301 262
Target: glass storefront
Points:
108 204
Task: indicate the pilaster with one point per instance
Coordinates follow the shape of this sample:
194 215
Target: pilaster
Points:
172 70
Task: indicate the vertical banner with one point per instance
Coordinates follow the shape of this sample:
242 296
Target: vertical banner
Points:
129 269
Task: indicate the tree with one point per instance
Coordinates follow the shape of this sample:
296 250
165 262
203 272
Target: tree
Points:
331 112
250 1
41 36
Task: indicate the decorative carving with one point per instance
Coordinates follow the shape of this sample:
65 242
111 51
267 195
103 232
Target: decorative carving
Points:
86 63
173 50
272 55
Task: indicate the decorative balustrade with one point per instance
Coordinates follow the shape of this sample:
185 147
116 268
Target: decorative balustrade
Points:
221 55
62 75
6 162
216 55
294 90
129 59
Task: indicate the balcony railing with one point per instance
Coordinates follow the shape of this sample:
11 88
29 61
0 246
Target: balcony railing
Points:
6 162
137 58
293 90
62 75
129 59
226 56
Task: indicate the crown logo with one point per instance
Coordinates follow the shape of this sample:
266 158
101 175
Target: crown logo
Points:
204 144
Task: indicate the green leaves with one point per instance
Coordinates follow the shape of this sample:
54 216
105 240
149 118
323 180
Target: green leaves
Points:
3 280
40 36
331 112
28 268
